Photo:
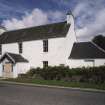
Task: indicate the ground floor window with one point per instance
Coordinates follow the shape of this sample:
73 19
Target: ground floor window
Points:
90 61
45 64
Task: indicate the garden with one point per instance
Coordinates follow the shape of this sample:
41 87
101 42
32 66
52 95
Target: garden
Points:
90 77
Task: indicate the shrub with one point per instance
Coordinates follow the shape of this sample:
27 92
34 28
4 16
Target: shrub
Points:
90 74
22 76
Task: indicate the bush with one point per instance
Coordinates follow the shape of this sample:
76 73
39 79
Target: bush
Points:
54 73
90 74
22 76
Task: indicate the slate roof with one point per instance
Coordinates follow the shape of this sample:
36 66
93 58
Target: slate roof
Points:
14 58
86 50
36 33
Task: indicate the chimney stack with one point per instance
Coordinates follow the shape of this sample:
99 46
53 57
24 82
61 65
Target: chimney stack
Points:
69 14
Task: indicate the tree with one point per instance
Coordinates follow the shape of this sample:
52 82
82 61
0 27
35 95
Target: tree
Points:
100 41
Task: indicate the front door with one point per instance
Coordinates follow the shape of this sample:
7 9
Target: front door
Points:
8 70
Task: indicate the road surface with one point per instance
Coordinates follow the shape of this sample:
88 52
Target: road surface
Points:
30 95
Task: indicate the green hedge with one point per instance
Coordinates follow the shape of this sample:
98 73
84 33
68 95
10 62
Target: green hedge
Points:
92 74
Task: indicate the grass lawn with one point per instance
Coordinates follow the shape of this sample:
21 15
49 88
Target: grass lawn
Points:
59 83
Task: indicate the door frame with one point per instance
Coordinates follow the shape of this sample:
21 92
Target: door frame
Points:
6 74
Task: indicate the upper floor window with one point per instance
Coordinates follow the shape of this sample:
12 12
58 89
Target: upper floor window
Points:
45 45
0 49
20 47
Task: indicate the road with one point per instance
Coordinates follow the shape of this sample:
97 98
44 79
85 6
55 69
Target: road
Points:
29 95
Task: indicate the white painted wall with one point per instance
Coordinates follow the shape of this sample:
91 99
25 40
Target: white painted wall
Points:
74 63
71 37
33 51
11 47
100 62
20 68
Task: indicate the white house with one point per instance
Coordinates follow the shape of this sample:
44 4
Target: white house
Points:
46 45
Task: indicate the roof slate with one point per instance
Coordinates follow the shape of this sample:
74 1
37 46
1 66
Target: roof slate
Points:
86 50
13 57
36 33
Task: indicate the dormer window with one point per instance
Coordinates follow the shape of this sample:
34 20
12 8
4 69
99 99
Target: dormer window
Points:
45 45
20 47
0 49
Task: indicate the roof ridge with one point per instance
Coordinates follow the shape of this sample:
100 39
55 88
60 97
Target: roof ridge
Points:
12 53
97 46
35 26
82 42
10 57
55 30
15 58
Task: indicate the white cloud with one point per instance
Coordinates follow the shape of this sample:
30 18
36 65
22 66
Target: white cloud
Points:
94 28
35 18
90 19
79 8
55 15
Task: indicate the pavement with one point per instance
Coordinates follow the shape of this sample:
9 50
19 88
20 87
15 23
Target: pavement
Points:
21 94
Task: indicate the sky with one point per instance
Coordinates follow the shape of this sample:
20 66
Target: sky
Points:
89 15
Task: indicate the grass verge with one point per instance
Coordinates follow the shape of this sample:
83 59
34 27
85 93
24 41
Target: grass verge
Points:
59 83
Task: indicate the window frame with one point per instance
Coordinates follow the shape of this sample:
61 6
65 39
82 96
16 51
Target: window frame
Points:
11 66
45 45
20 47
0 49
45 64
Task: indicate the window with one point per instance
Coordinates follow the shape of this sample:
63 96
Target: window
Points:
20 47
89 60
45 64
0 49
3 68
45 45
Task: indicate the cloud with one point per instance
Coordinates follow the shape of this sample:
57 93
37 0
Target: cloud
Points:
35 18
90 16
8 10
80 7
56 16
